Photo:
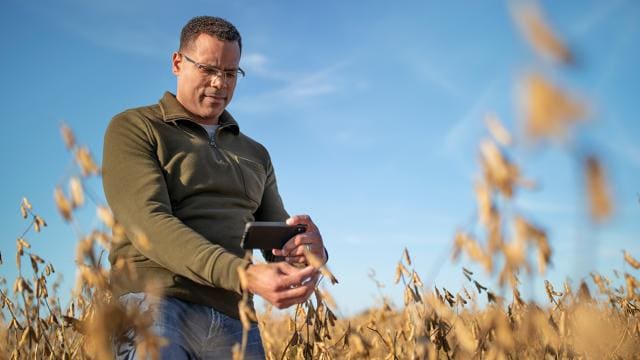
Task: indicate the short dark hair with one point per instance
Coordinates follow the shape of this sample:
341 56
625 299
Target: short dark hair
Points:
210 25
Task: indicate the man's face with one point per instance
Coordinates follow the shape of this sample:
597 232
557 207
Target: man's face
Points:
201 93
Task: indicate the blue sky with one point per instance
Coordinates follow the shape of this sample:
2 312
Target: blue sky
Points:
372 114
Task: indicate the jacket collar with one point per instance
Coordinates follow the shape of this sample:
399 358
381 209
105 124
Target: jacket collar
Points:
172 110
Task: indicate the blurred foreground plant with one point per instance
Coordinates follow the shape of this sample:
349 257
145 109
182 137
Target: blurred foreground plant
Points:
431 323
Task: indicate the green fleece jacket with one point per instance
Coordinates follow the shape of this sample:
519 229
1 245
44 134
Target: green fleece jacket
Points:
191 196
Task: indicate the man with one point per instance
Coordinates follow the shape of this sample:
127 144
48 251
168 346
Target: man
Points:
182 174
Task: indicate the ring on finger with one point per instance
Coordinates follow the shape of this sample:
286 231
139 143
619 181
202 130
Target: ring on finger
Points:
308 247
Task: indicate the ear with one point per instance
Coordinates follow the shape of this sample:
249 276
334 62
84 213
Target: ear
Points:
176 63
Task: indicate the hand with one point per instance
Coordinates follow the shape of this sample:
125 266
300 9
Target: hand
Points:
311 240
281 284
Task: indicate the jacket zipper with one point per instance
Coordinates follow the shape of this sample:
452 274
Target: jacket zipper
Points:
217 154
214 137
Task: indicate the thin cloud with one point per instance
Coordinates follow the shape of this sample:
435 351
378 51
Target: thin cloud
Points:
599 13
460 131
259 64
437 76
296 89
112 27
131 40
254 62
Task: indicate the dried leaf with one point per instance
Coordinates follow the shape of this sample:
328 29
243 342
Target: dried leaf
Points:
141 240
465 338
242 273
497 130
499 172
64 206
405 255
600 203
104 214
631 261
549 111
78 325
77 193
27 335
479 287
86 163
486 208
23 243
317 263
39 221
416 280
27 204
583 292
67 136
540 35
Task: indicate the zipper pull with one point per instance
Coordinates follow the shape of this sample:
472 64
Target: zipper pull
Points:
212 140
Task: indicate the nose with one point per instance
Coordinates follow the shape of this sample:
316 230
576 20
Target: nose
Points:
218 80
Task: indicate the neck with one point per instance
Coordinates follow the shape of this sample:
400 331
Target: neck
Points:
202 121
196 118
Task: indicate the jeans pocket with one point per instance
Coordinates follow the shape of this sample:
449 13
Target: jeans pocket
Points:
124 340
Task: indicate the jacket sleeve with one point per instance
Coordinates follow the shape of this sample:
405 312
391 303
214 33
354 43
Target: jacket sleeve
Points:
137 193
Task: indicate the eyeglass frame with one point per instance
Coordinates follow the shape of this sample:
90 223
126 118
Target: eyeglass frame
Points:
211 70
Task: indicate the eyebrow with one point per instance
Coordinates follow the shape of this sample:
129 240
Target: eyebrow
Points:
208 65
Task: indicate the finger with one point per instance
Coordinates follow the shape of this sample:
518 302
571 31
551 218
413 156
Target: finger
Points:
304 238
291 296
287 270
289 246
299 294
285 303
296 259
302 250
313 239
303 219
313 249
297 276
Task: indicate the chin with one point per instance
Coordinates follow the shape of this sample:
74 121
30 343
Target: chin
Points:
211 114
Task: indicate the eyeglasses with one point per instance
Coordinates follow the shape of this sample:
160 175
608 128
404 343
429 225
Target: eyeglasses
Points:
210 70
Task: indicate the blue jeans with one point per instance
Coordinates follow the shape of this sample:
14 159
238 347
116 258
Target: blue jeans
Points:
193 331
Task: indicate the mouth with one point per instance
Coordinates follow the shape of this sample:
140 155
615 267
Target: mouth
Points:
215 98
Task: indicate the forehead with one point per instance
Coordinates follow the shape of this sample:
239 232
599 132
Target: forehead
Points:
211 50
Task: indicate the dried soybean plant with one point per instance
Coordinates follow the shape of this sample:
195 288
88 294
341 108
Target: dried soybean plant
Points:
576 322
310 330
38 326
439 324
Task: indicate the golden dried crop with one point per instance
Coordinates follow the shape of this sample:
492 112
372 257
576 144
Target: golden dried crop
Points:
600 204
540 35
431 323
64 205
548 110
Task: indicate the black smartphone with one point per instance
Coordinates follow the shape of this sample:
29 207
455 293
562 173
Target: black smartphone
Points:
267 235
